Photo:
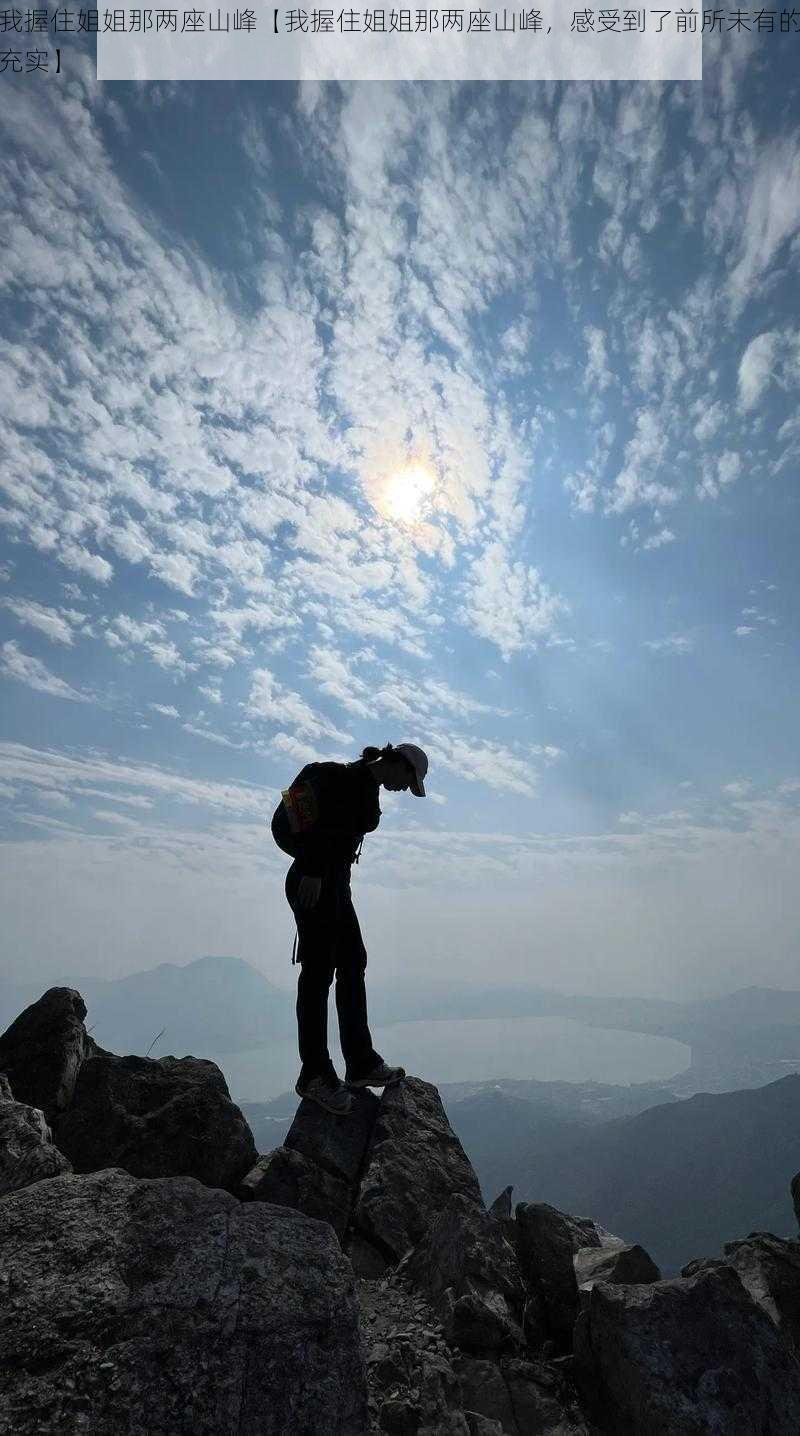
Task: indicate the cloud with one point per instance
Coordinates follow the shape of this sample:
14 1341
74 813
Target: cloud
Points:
49 768
755 368
659 539
738 789
270 701
728 469
772 216
597 374
165 708
508 602
676 643
211 737
35 674
54 624
635 483
710 418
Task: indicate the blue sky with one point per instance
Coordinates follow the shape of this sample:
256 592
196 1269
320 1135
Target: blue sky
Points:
459 415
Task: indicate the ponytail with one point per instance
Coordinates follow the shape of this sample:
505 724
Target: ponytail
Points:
369 755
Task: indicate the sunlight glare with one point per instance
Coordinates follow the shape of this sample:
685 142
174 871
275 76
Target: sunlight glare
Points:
405 491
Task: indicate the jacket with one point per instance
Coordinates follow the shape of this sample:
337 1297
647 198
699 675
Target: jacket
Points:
347 807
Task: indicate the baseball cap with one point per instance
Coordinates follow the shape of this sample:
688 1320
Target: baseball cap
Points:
418 761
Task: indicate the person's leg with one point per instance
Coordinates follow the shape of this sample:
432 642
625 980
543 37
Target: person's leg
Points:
351 995
316 929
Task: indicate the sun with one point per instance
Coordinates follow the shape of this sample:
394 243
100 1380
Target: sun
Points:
405 491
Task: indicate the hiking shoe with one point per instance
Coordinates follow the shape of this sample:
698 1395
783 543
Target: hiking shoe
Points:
379 1076
327 1091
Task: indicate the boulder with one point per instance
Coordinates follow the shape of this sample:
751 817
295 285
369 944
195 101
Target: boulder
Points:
338 1147
620 1263
685 1358
169 1307
470 1274
413 1164
156 1117
27 1154
522 1396
292 1180
546 1241
769 1268
42 1051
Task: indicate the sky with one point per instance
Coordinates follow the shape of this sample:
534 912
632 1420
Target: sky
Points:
463 415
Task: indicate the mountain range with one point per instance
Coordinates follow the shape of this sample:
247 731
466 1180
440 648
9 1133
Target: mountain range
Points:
223 1004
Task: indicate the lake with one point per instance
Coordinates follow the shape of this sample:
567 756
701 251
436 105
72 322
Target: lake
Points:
549 1049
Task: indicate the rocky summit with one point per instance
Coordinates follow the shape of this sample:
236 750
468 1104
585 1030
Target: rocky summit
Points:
160 1276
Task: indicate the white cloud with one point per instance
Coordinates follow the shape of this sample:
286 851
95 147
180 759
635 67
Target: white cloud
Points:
738 789
210 736
675 643
165 708
508 603
710 418
269 701
35 674
54 624
659 539
772 215
597 374
49 768
755 368
73 555
644 455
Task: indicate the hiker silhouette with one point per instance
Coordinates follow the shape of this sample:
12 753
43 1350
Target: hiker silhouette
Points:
320 822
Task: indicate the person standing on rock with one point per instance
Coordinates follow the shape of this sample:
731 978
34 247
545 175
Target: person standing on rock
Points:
320 822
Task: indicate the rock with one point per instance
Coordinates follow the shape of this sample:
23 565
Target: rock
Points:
156 1117
546 1244
482 1425
365 1259
485 1391
465 1254
168 1307
408 1362
336 1147
692 1268
501 1206
42 1051
414 1163
796 1196
769 1268
542 1400
684 1357
400 1417
27 1153
292 1180
478 1323
619 1263
522 1397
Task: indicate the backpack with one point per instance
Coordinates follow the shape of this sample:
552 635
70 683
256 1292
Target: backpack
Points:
301 814
296 814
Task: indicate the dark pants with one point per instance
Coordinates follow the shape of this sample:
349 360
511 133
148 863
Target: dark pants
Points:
329 941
